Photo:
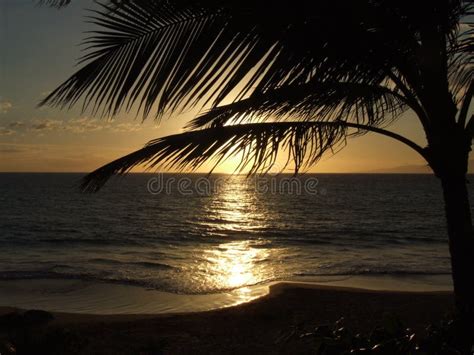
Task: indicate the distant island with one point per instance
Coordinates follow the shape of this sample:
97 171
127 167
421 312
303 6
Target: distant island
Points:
414 169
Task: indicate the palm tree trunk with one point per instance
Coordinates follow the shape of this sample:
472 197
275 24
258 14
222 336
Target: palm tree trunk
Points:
461 246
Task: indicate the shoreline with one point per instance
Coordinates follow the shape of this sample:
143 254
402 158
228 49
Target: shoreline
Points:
275 290
100 298
270 324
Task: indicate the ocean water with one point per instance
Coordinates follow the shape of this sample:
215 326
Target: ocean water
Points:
189 234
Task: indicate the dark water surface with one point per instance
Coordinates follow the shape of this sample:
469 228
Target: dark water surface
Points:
210 236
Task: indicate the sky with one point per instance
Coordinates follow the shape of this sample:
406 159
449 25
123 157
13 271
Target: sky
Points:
39 50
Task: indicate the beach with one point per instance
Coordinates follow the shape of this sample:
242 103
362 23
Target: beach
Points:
229 272
184 187
274 323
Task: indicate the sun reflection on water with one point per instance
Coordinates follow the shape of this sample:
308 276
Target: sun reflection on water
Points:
235 207
237 264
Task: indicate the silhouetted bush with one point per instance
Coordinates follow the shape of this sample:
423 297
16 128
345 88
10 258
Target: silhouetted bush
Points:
390 338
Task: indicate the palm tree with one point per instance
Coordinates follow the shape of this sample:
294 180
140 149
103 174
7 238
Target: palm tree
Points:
54 3
291 77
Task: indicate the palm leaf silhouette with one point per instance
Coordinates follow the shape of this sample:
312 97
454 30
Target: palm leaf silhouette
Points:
283 62
257 144
54 3
180 53
305 142
327 101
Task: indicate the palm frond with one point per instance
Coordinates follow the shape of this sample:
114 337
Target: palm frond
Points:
258 144
176 54
136 57
54 3
461 62
360 103
360 61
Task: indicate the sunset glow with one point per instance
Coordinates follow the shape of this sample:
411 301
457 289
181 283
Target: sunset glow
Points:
43 53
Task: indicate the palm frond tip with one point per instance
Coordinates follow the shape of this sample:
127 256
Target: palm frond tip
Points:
259 144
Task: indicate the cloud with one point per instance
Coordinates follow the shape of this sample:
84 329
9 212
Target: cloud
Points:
4 131
11 128
5 106
17 125
47 125
77 126
127 127
84 124
12 149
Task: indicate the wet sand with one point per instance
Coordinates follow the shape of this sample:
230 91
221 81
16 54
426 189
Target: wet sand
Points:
91 297
270 324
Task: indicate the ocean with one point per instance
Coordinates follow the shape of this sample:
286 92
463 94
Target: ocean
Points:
193 234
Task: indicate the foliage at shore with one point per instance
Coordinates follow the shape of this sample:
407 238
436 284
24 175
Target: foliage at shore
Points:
31 332
390 338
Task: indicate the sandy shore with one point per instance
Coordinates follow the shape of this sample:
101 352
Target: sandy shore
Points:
91 297
270 324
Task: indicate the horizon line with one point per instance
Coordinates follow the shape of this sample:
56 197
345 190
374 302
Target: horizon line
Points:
224 173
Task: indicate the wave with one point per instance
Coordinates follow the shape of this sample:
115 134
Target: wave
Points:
92 241
172 287
149 285
146 264
54 275
377 273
